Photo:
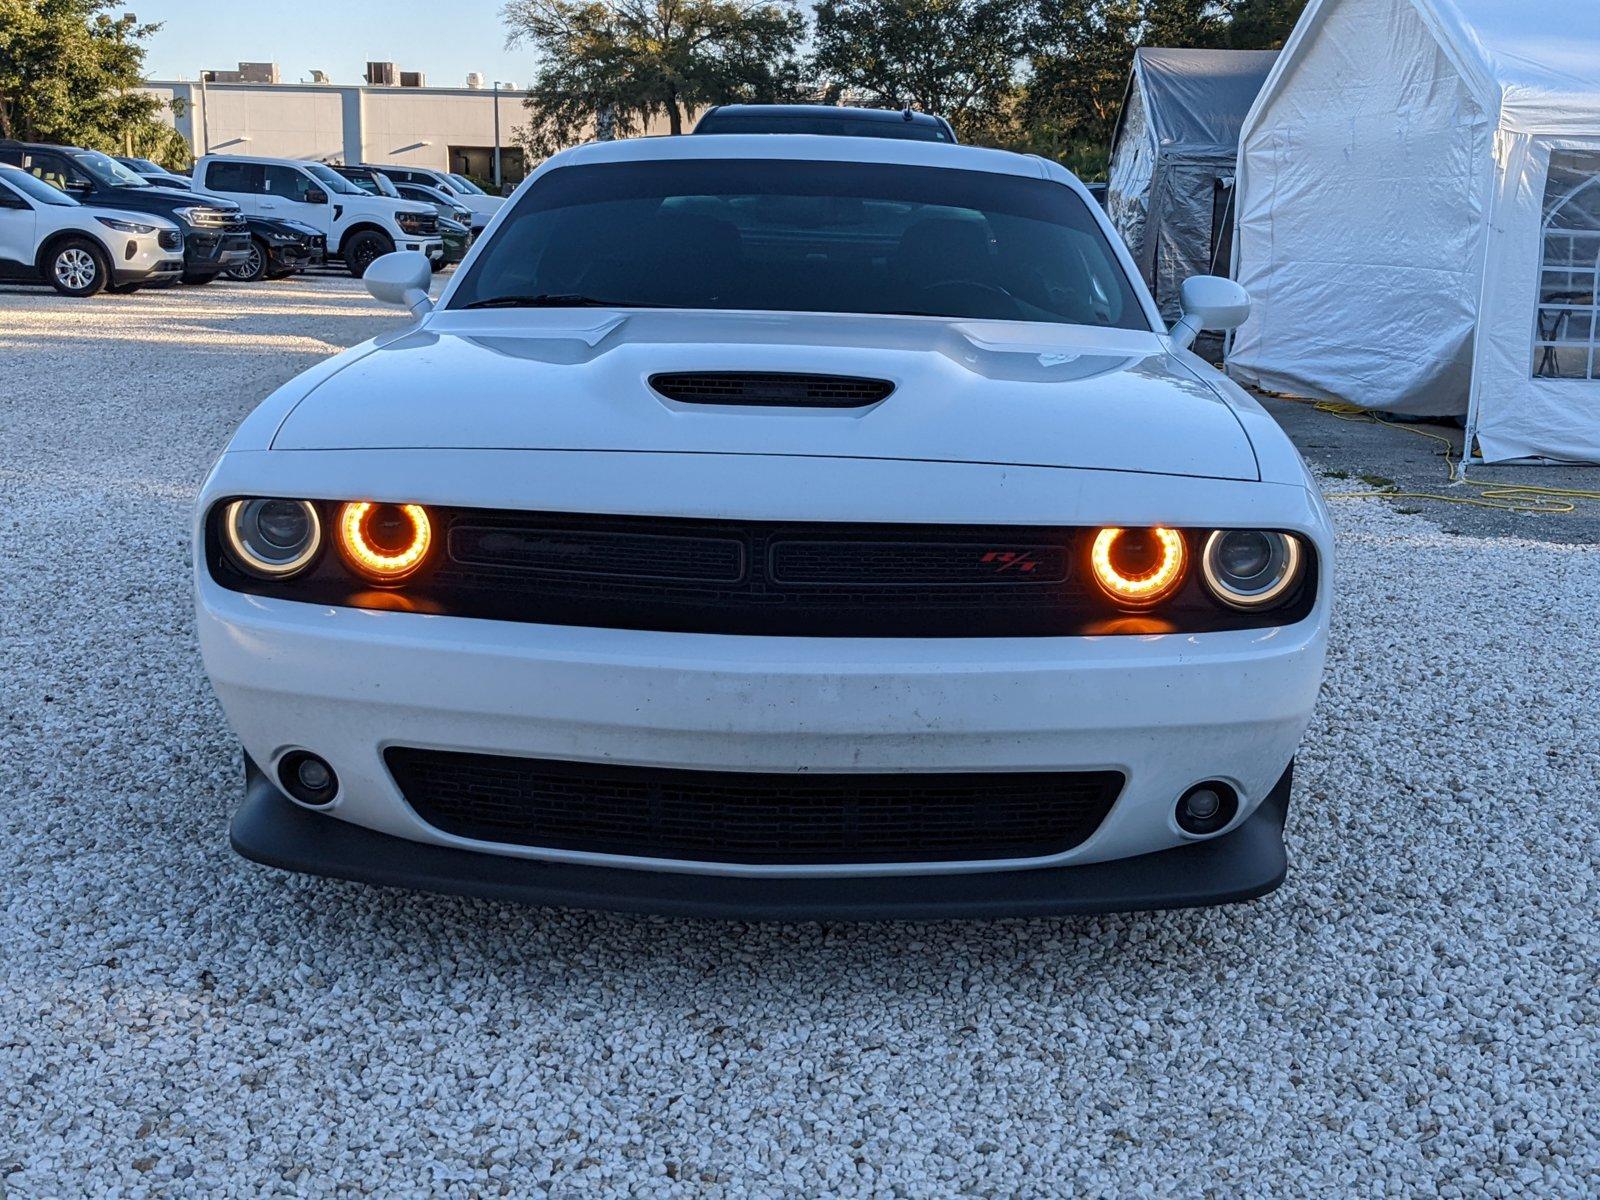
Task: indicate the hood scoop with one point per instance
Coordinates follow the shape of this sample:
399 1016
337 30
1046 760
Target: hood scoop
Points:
771 390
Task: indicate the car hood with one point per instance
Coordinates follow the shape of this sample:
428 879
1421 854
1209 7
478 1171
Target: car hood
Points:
964 391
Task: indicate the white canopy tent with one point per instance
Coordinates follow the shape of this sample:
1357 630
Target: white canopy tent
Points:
1418 217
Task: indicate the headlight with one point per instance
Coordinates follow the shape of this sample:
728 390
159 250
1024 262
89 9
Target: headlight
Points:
272 538
1139 567
125 226
411 222
1251 568
384 542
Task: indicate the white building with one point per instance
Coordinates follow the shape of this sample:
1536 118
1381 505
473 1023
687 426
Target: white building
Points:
450 129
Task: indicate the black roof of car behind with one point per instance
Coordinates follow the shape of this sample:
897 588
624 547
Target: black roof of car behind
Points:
829 119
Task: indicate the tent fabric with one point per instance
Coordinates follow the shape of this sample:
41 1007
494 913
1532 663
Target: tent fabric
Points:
1177 137
1395 175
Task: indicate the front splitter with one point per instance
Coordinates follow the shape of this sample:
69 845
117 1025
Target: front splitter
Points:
1245 864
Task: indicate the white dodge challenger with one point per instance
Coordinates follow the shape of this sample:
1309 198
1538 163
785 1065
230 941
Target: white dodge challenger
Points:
773 527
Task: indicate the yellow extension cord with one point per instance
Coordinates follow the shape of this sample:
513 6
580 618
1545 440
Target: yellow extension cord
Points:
1506 497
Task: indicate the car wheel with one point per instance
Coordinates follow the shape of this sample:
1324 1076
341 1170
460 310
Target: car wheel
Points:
366 248
252 268
78 267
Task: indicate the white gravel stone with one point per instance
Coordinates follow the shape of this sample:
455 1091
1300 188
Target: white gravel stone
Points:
1414 1012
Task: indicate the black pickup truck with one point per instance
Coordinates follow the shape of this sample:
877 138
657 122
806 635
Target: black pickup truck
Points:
215 236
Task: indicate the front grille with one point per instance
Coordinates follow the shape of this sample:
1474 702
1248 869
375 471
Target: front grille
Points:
418 224
170 239
772 578
748 817
769 390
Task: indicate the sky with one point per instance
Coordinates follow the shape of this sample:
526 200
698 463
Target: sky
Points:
444 39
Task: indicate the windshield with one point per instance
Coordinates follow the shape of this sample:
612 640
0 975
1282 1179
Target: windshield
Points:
790 236
143 164
35 188
384 184
466 185
335 182
108 171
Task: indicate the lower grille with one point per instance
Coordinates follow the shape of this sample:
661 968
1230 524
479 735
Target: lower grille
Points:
752 818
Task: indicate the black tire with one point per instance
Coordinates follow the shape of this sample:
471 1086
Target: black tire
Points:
197 280
364 249
77 267
253 268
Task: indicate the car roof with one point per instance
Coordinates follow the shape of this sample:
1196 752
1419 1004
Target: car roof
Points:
804 147
848 112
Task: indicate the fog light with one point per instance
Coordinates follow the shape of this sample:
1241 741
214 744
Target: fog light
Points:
308 778
1206 808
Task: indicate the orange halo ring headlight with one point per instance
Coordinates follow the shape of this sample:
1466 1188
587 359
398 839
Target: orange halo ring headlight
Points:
1147 582
384 542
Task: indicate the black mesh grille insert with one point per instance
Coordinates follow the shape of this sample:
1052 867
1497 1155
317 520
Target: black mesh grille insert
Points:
745 817
771 390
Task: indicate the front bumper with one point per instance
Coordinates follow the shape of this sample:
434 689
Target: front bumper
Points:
211 251
432 247
292 256
1165 711
1242 865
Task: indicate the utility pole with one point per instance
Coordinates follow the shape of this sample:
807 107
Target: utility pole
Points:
498 185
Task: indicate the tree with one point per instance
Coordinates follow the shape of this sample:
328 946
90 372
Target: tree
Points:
633 60
957 58
69 70
1082 54
1263 24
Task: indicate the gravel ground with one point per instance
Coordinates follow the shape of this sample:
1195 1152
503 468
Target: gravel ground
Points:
1414 1012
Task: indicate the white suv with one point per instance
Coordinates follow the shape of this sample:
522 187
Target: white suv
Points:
79 250
360 227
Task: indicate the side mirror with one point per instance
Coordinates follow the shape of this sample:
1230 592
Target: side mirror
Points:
1209 302
402 278
316 196
77 187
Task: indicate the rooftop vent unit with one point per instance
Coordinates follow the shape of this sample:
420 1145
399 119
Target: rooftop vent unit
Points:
475 80
382 74
413 79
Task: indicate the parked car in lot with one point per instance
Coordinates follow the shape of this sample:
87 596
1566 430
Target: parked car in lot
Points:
154 173
214 233
776 527
359 227
459 188
279 247
830 119
46 234
457 239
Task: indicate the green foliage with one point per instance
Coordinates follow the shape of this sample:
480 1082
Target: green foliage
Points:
628 61
1082 52
1042 76
957 58
1263 24
68 73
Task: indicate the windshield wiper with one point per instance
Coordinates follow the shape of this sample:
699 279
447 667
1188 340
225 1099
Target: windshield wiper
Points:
556 300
